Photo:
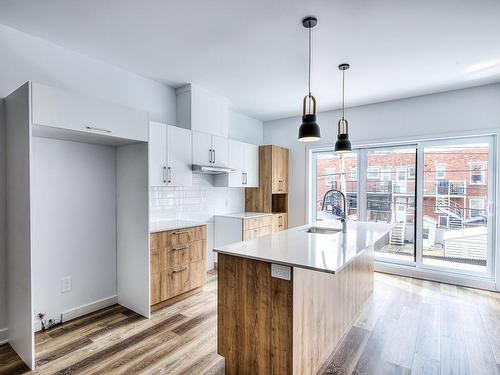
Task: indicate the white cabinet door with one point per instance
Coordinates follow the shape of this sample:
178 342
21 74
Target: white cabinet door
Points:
68 110
209 112
179 157
251 165
220 146
202 148
237 162
157 154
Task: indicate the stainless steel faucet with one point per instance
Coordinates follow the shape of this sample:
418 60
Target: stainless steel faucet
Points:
343 219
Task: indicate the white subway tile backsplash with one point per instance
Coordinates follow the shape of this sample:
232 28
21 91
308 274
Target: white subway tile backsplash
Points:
198 203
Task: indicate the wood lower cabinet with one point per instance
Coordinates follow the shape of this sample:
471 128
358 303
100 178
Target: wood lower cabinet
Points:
280 222
256 227
178 260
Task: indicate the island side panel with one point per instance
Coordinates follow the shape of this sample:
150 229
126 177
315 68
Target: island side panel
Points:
324 308
254 318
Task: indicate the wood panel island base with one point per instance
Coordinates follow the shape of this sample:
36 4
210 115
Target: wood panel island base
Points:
291 322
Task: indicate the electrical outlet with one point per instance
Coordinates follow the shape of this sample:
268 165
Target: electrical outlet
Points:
66 284
281 272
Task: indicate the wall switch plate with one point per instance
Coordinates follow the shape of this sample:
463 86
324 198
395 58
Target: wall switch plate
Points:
281 272
66 284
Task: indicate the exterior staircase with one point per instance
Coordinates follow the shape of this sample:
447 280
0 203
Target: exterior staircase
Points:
454 211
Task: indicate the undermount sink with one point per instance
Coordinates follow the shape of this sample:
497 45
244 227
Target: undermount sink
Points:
323 230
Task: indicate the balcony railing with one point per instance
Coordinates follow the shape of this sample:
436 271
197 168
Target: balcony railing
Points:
445 187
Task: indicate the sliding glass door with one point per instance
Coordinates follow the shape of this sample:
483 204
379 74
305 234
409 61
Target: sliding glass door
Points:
390 198
437 195
456 219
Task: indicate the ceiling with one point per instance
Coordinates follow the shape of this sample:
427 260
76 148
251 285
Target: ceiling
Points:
254 52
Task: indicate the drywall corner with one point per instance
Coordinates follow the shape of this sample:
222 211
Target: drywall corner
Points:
3 229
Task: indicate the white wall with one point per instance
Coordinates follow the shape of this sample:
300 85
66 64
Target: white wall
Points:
73 224
413 118
3 240
27 58
244 128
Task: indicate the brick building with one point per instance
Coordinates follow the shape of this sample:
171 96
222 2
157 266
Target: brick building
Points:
455 188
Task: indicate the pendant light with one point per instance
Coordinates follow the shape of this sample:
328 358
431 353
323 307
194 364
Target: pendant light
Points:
309 129
343 143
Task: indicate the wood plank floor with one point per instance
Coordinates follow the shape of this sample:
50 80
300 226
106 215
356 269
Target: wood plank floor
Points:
409 326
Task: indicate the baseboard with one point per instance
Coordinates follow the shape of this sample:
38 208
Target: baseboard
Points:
4 336
437 276
82 310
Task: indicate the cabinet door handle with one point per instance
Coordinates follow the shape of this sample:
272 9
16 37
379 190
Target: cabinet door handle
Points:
169 175
164 174
181 270
246 178
180 248
98 129
210 155
243 179
179 232
214 155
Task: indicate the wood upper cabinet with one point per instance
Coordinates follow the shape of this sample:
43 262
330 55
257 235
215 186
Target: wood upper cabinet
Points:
169 155
56 108
272 192
178 260
279 170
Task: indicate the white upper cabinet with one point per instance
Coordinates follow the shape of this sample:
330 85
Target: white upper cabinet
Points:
220 147
157 154
63 109
251 165
244 159
169 155
236 162
210 150
179 157
202 148
202 111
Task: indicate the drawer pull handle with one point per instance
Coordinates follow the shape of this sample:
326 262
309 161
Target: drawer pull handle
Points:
181 270
98 129
178 233
180 248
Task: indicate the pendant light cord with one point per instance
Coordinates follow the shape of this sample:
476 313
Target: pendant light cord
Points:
309 76
343 94
309 73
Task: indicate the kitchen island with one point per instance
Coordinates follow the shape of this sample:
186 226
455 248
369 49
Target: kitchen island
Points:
285 300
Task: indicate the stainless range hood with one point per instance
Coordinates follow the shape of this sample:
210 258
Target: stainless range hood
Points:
210 169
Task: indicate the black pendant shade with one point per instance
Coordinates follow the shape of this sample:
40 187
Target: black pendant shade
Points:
343 143
309 129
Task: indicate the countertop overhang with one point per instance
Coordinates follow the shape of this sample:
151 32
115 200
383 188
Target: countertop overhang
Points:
319 252
165 225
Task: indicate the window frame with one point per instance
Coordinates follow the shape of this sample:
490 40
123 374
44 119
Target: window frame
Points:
481 199
443 171
493 183
482 171
368 173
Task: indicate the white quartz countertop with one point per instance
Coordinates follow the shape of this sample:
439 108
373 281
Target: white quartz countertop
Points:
321 252
163 225
245 215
